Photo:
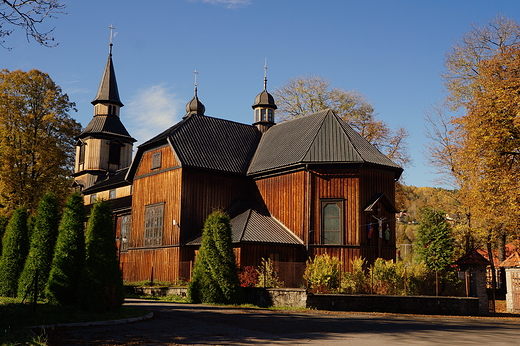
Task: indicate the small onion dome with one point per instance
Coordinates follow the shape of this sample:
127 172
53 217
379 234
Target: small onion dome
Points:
264 99
195 106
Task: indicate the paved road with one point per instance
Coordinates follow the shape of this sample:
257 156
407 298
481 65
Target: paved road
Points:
183 324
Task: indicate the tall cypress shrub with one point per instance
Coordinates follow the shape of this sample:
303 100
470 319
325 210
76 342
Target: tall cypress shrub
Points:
42 245
69 254
102 284
215 274
14 251
3 225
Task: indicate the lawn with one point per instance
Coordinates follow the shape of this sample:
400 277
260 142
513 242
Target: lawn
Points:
15 317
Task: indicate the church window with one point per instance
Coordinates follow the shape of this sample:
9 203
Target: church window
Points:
156 160
270 113
332 221
263 115
125 232
153 224
81 158
93 198
114 154
112 194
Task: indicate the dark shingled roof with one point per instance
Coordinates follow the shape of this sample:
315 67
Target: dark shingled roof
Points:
107 91
472 258
210 143
320 137
112 181
252 226
106 125
383 198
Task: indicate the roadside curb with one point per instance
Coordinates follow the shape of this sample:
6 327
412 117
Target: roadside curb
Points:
96 323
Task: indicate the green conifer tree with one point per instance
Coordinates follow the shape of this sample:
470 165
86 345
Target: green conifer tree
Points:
434 239
3 225
69 255
14 251
41 250
101 286
215 275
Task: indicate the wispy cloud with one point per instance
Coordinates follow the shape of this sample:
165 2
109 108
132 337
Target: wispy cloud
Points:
226 3
152 111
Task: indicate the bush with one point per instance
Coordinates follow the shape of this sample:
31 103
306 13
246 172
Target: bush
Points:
248 276
215 276
355 282
14 251
101 286
323 273
267 276
41 250
69 255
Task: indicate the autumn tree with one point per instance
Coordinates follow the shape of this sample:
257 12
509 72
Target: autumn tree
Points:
69 254
215 274
489 156
451 150
41 250
14 251
29 15
101 285
481 43
36 138
308 94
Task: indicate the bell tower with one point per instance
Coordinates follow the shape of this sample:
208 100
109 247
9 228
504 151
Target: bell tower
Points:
264 107
105 145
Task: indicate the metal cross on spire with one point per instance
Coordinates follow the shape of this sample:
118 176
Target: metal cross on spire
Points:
265 74
195 73
111 27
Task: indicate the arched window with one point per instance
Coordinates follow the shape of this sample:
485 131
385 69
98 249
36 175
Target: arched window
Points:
332 222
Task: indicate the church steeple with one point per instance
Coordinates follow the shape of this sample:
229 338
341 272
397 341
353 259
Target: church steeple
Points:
264 107
195 106
107 96
105 145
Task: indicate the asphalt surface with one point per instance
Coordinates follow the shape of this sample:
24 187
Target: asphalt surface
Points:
187 324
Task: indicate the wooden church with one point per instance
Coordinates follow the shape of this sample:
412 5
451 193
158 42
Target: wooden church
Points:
293 190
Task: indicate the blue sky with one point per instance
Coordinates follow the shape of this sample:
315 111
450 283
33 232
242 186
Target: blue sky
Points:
390 51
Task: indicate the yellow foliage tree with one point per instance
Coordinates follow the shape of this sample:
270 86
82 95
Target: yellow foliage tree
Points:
36 138
489 154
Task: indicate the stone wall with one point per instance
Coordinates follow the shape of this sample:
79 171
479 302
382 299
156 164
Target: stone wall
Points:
294 297
395 304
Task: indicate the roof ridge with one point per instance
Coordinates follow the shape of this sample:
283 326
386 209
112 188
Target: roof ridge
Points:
248 211
311 143
339 120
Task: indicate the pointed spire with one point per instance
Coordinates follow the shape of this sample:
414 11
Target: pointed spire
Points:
195 106
264 99
107 91
264 107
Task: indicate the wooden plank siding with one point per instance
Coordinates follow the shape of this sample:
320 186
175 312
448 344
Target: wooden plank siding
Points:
138 264
371 183
336 184
285 197
203 192
150 186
